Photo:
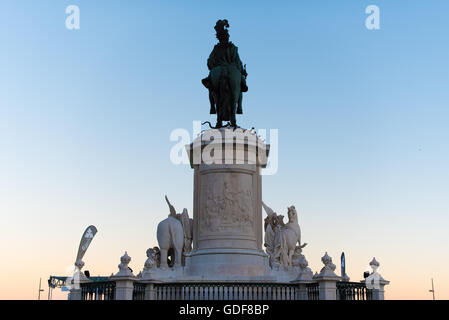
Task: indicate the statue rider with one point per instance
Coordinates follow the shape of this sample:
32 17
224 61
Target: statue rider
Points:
227 78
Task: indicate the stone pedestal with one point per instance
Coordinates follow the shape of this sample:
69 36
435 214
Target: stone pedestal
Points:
327 279
124 287
379 294
150 292
227 210
76 281
376 282
328 287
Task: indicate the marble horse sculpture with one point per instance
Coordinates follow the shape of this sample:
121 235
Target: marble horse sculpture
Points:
292 233
174 236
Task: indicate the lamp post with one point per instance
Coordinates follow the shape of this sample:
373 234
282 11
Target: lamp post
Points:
40 289
433 291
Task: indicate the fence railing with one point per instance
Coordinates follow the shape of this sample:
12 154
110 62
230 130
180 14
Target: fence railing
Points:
313 291
353 291
139 291
104 290
225 291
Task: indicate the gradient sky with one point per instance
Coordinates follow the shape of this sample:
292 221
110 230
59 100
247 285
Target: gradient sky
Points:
86 115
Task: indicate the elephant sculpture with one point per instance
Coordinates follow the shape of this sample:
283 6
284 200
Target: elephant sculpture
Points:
174 236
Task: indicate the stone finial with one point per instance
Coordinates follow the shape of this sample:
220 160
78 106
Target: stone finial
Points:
79 264
376 281
305 273
124 270
374 262
329 267
327 261
303 263
125 259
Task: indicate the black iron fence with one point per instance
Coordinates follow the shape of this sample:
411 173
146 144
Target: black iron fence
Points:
225 291
139 291
104 290
353 291
313 291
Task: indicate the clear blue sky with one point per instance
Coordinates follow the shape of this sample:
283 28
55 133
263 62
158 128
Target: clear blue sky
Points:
86 115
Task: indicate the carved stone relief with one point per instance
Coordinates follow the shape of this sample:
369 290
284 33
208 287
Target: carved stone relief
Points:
227 204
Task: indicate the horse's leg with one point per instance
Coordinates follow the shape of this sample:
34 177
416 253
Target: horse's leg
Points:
178 257
164 264
234 86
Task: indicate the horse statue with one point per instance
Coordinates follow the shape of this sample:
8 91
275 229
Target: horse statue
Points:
174 236
227 78
281 239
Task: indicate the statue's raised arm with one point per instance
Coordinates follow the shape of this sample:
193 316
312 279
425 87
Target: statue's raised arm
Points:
268 210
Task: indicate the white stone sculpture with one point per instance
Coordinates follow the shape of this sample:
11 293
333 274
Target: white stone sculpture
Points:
376 282
329 267
305 273
374 276
152 262
124 270
281 239
174 234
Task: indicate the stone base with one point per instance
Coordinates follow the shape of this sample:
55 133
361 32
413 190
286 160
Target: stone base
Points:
221 265
227 264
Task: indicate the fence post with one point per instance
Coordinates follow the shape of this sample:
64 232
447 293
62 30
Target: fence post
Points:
124 287
76 280
305 277
379 294
75 292
150 292
301 289
327 279
375 282
327 288
124 280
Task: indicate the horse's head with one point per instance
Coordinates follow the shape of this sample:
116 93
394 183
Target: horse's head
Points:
292 214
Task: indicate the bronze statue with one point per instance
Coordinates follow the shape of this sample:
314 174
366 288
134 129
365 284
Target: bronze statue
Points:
227 78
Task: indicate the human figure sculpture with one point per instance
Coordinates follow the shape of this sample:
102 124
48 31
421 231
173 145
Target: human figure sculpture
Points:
227 78
152 260
281 239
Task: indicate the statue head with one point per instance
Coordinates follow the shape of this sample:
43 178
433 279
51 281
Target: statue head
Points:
279 221
268 221
151 253
221 28
291 212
